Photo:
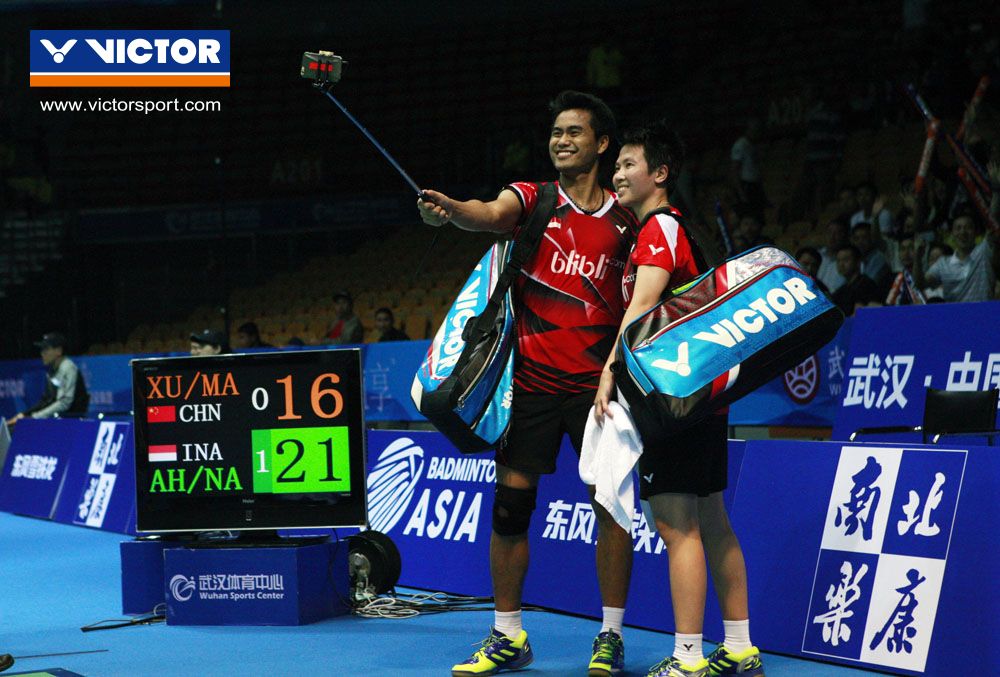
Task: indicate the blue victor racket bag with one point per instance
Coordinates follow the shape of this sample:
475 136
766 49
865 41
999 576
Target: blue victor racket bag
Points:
720 337
465 385
466 389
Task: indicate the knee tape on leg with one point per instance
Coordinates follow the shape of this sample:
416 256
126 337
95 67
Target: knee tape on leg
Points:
512 510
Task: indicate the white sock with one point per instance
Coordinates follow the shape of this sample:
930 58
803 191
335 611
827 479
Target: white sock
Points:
613 617
737 635
687 648
508 622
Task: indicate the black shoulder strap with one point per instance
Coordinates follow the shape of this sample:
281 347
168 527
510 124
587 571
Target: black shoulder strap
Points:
705 255
524 245
528 238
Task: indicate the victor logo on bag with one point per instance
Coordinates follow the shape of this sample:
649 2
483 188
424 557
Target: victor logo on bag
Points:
729 332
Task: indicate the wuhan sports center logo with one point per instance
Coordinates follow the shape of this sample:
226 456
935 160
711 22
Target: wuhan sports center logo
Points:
85 58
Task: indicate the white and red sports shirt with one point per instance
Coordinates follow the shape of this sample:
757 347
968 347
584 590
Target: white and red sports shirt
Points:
663 243
568 297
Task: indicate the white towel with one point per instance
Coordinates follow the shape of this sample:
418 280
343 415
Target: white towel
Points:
609 453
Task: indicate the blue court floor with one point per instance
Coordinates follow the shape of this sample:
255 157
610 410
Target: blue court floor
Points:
57 578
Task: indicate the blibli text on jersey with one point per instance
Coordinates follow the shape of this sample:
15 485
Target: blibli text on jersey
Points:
109 58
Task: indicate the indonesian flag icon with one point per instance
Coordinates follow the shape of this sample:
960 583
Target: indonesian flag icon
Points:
159 453
161 414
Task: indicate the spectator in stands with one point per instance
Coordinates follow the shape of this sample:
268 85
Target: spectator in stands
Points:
749 233
858 289
65 389
935 250
385 329
248 336
745 171
605 63
871 209
969 273
837 235
873 261
824 141
847 204
208 342
810 258
904 254
347 327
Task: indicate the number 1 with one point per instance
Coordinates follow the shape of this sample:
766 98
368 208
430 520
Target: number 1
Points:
329 461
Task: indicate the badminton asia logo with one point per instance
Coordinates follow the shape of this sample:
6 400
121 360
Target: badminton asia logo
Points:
392 482
90 58
451 513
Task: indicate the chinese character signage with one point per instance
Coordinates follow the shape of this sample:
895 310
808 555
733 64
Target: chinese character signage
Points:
883 554
897 352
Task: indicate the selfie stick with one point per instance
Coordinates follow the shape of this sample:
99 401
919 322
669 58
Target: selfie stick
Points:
324 69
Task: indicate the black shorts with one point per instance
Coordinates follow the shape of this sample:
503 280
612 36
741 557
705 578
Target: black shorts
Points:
537 424
695 461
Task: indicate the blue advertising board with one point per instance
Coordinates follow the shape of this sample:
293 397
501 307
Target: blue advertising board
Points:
436 505
898 351
388 371
38 461
72 471
99 491
808 395
884 561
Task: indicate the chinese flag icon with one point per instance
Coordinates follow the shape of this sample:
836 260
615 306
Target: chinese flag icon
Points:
161 414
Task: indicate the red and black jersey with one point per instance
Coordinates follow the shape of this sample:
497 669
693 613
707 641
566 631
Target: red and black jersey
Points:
568 297
663 243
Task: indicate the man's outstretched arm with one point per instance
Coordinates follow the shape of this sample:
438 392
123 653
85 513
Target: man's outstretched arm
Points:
497 216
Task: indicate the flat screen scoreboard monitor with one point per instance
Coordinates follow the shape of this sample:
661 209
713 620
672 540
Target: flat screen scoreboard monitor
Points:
254 441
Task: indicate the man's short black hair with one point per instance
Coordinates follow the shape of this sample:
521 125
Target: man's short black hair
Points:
945 248
385 311
861 225
210 337
250 329
812 251
851 248
661 145
601 117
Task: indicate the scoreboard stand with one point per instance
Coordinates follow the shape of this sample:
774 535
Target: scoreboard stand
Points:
296 582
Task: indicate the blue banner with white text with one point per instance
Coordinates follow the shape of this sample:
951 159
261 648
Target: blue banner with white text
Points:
884 559
897 352
72 471
808 395
388 371
436 504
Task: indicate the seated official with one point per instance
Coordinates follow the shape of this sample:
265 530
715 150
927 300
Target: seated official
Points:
385 329
248 336
209 342
65 390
